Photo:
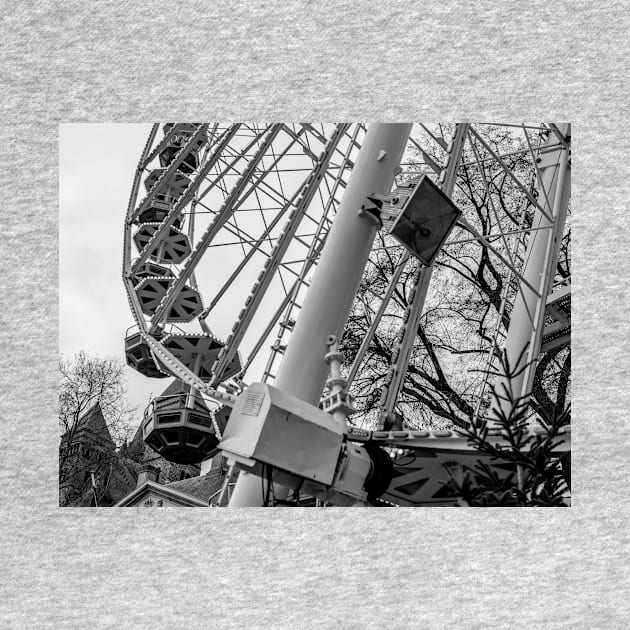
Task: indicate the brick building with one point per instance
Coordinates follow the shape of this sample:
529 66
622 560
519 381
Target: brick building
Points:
91 470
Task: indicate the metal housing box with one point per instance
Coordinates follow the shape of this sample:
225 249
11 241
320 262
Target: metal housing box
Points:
420 217
269 426
354 471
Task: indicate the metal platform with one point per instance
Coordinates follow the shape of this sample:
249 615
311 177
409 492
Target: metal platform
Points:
421 473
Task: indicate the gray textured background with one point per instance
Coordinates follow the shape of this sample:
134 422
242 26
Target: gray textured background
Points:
405 568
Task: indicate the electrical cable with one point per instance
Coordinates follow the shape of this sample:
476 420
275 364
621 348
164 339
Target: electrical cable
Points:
270 484
262 487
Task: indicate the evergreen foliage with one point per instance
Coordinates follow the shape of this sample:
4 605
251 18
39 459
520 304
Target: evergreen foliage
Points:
540 475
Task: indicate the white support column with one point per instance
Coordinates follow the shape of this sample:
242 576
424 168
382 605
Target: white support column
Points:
303 370
528 315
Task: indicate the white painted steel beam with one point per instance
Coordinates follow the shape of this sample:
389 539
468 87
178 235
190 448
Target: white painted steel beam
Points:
303 371
524 336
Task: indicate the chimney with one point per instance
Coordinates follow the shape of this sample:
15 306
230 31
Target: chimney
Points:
147 473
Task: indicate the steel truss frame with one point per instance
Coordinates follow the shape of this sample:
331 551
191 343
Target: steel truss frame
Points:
511 256
251 178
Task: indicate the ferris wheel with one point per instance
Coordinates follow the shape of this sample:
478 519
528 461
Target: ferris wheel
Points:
225 228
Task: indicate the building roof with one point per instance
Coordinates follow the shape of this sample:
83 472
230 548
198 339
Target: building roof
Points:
135 447
89 448
193 492
202 488
91 423
151 490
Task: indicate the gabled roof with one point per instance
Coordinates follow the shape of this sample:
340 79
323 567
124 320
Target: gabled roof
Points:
151 489
193 492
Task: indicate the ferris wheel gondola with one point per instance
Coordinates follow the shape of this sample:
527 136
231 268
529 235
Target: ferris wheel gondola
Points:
246 209
226 240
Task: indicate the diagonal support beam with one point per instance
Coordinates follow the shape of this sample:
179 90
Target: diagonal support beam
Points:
511 175
219 220
402 353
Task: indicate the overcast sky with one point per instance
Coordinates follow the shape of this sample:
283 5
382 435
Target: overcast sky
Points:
96 169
